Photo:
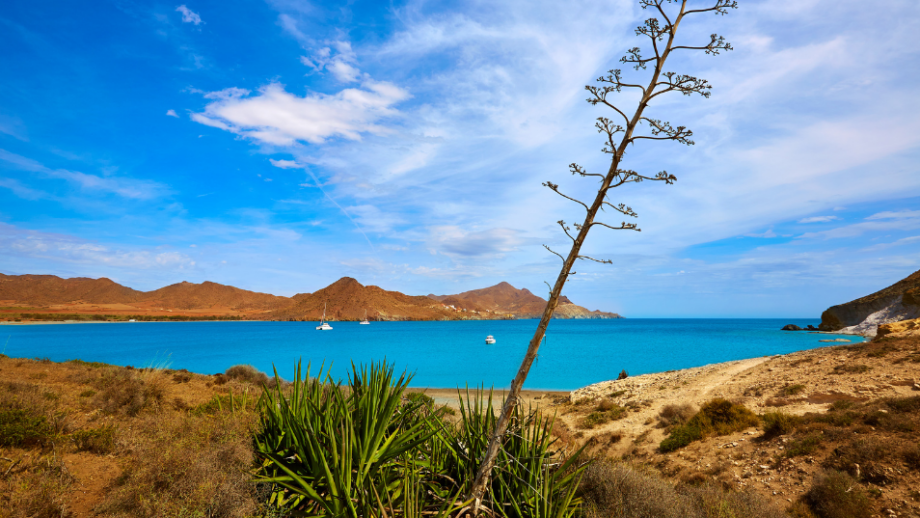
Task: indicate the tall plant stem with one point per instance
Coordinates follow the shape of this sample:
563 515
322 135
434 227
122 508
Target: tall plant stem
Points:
485 469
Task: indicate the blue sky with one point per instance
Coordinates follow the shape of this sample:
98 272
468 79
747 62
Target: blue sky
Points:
279 146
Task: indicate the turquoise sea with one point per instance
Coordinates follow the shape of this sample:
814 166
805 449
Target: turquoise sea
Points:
441 354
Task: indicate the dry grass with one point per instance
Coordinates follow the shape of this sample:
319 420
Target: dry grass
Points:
35 487
201 469
246 373
619 491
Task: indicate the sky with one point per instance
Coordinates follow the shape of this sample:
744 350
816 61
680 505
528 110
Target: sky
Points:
279 146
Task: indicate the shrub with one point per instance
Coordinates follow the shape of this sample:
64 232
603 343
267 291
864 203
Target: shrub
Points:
598 418
96 440
128 393
868 453
246 373
623 375
803 446
20 427
182 376
778 423
675 415
835 494
715 418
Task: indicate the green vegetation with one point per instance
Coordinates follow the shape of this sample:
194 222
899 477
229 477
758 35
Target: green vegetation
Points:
362 450
715 418
835 494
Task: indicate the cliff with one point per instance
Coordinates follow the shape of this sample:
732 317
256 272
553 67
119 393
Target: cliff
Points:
900 301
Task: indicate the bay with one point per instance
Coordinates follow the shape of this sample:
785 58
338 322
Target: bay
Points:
576 353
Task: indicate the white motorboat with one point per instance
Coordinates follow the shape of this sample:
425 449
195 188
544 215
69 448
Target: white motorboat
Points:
490 340
323 325
364 322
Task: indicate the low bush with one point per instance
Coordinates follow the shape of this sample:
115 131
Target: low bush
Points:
675 415
247 374
95 440
864 458
20 427
778 423
803 446
835 494
598 418
715 418
129 393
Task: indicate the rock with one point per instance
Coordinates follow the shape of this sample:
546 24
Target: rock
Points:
791 327
916 386
903 326
836 340
811 328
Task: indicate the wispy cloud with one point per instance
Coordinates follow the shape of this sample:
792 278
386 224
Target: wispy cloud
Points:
899 242
60 247
172 113
189 16
121 186
819 219
900 214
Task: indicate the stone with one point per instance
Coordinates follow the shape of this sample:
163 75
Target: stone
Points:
791 327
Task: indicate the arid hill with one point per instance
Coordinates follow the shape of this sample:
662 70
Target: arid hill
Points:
900 301
42 290
504 299
348 299
99 295
187 295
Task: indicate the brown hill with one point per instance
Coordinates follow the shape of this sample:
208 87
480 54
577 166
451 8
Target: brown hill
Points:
187 295
347 299
505 299
899 301
48 290
43 290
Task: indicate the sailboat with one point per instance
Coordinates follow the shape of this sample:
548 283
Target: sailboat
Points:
364 322
323 325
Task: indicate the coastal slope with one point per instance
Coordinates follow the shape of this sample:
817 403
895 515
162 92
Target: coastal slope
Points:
505 299
900 301
348 299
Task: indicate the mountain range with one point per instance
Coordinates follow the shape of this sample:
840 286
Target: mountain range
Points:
345 299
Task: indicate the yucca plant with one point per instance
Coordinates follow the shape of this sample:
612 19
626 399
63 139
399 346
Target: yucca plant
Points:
332 452
363 450
530 480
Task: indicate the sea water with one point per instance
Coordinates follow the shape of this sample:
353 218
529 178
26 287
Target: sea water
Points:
575 353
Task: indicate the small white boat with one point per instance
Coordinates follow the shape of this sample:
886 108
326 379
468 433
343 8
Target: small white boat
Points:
364 322
323 325
490 339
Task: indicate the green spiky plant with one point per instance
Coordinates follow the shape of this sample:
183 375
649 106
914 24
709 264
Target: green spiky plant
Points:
365 450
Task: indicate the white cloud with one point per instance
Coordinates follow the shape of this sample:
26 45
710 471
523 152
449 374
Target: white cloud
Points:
172 113
274 116
819 219
343 71
901 214
285 164
189 16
